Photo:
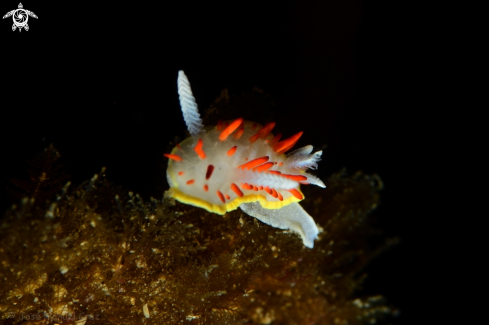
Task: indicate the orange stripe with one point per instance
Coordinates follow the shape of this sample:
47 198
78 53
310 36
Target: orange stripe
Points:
263 167
284 144
246 186
280 197
268 190
287 149
238 133
264 131
274 193
236 190
232 151
253 163
230 129
276 172
220 196
296 178
190 182
172 156
198 149
254 137
296 193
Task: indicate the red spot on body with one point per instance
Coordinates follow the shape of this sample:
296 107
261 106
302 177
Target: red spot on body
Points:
255 188
206 187
253 163
232 151
173 157
268 190
220 196
178 146
236 190
220 126
190 182
227 197
210 169
253 126
198 149
180 173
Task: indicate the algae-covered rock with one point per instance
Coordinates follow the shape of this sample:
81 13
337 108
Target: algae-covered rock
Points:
98 255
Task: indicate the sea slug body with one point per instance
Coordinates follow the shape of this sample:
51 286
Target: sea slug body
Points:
242 164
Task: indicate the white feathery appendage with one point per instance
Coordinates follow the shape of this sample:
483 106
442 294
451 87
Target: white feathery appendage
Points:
311 179
291 216
302 159
189 106
266 179
301 151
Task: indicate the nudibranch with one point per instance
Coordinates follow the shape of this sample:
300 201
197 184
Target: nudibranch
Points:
241 164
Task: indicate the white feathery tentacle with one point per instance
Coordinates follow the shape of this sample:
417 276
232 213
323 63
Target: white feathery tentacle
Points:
313 180
301 159
189 106
301 151
266 179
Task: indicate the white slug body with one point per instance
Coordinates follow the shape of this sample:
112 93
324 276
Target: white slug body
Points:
241 164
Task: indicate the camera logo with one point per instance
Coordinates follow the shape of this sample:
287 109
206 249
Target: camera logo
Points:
20 17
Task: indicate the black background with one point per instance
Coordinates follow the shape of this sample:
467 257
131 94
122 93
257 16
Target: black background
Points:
99 82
